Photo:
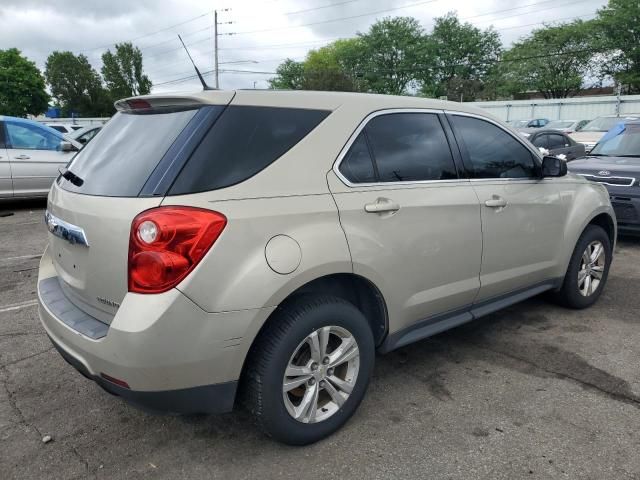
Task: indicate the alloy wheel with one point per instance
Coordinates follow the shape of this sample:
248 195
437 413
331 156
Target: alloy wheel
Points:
321 374
591 269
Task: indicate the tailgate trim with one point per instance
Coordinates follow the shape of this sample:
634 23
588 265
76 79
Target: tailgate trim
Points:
54 299
59 228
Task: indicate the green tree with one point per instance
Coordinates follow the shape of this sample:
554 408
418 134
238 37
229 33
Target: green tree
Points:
552 60
618 24
122 72
461 60
289 76
76 85
22 89
394 53
335 67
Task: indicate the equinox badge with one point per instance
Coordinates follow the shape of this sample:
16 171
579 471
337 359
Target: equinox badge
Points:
61 229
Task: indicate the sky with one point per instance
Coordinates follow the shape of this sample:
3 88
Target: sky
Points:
255 36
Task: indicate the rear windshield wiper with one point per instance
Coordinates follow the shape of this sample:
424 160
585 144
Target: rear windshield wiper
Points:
72 177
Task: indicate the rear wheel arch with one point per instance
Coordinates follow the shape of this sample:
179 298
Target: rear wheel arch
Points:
355 289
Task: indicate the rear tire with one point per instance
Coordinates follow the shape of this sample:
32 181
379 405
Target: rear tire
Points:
332 374
588 269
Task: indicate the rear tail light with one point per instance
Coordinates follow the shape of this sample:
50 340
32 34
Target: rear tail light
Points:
166 243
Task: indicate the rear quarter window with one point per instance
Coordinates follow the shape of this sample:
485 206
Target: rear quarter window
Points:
242 142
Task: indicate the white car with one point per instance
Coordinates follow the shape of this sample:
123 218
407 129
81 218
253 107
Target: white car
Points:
65 128
31 155
83 135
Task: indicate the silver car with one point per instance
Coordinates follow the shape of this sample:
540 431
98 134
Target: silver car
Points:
257 248
31 154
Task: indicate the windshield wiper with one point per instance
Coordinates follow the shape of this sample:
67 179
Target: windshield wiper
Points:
72 177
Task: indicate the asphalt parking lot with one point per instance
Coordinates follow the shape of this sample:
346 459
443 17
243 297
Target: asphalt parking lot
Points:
532 392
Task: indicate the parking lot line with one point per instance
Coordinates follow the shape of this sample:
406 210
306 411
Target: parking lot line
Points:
18 306
21 257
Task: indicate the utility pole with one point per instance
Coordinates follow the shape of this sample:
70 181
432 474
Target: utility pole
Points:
215 40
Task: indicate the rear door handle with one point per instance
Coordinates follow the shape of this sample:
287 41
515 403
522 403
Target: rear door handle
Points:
496 202
22 157
382 205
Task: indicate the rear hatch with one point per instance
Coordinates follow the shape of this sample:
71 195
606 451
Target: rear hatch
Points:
125 170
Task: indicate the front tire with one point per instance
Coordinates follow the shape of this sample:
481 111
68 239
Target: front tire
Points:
588 269
309 369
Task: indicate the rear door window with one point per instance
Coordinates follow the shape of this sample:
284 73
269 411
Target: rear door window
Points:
242 142
541 141
491 152
118 162
557 141
400 147
410 147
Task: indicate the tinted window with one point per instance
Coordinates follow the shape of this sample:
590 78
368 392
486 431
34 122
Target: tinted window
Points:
59 128
541 141
557 141
243 141
31 137
118 162
85 137
357 166
491 151
410 147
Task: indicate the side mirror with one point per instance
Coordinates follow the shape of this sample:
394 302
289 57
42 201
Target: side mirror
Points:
553 167
67 146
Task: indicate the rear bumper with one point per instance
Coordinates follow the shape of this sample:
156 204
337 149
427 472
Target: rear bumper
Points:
173 355
218 398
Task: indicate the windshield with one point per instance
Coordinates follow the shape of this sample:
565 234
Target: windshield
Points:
604 124
560 124
519 123
118 162
625 143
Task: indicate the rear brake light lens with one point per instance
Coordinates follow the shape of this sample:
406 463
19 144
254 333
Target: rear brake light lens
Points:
166 243
138 104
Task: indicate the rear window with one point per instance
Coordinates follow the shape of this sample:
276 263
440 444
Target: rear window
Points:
118 162
242 142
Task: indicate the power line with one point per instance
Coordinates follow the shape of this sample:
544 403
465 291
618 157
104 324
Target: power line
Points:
418 68
341 19
147 34
164 52
280 45
313 9
508 9
545 23
529 13
446 66
173 39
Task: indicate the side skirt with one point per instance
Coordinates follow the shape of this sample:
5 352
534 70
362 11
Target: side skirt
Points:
439 323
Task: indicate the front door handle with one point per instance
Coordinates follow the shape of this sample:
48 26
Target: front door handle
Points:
382 205
496 202
22 157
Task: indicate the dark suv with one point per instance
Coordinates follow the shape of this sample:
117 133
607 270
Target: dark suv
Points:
615 162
